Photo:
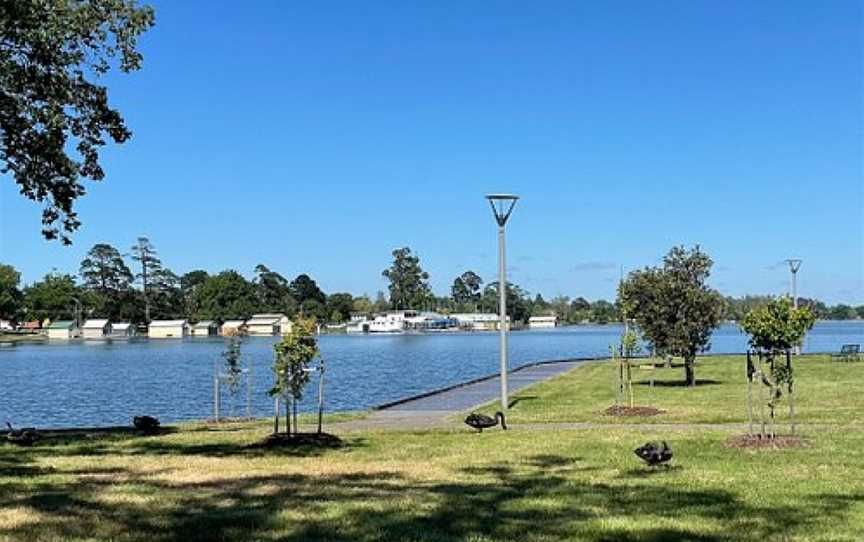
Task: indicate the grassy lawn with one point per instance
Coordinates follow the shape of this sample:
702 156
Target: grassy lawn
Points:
199 482
826 392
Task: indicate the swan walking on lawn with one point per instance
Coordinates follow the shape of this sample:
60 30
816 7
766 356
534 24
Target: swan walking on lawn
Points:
482 421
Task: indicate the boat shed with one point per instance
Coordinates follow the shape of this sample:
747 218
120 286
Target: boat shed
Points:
63 329
204 328
168 329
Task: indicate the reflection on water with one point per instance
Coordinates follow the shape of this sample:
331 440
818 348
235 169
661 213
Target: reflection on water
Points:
105 383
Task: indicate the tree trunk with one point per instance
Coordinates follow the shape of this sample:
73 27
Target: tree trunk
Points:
690 371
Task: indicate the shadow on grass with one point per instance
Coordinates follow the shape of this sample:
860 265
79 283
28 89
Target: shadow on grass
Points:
535 499
522 398
677 383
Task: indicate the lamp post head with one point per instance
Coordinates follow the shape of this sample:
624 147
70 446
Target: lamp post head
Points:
502 205
794 264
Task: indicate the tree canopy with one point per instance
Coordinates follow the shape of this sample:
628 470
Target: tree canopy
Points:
673 306
11 297
777 326
53 117
408 286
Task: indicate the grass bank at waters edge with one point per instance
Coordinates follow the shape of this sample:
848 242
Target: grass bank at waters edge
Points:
827 391
22 338
199 483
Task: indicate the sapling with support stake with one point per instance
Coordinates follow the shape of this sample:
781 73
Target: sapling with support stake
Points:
231 377
775 329
291 370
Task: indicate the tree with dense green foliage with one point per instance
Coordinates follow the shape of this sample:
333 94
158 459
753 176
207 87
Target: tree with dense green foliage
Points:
777 327
53 117
311 299
466 289
518 308
189 283
675 309
54 297
166 295
363 305
274 291
225 296
291 366
109 281
339 306
11 297
409 288
145 254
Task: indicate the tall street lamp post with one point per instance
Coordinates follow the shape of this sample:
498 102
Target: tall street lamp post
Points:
502 205
794 266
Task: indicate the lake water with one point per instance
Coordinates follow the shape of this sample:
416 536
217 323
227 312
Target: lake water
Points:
93 383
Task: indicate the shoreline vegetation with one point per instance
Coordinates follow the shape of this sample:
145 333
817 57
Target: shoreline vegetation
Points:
106 286
202 481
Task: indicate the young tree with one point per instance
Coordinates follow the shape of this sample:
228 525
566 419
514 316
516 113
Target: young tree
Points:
11 297
291 366
408 286
466 288
673 306
776 328
48 107
144 253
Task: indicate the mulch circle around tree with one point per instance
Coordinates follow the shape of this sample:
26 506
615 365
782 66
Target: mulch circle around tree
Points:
637 411
757 442
283 440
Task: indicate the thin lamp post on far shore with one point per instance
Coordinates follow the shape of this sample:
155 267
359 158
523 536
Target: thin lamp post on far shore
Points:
502 206
794 266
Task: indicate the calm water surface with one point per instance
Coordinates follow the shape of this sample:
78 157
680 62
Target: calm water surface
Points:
91 383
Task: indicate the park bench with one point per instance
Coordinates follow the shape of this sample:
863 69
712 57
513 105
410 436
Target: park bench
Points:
848 352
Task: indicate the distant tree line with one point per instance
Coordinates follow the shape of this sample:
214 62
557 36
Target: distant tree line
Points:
138 287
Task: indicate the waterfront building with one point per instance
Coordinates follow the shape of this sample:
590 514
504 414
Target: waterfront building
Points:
233 327
269 324
205 328
96 328
63 329
478 321
168 329
6 325
31 326
542 322
123 329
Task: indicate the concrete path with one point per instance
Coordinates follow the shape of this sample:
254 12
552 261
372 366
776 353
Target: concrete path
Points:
432 410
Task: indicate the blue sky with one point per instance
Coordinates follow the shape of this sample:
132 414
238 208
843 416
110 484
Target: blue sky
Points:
317 137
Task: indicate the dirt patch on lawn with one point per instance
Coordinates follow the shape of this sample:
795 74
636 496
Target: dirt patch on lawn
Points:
757 442
636 411
311 440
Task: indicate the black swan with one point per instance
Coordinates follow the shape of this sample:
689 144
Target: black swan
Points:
482 421
654 453
145 423
22 437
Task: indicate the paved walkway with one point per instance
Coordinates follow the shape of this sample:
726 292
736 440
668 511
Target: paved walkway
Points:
432 410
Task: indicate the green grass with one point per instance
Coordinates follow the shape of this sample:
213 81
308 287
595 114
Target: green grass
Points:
827 391
198 482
